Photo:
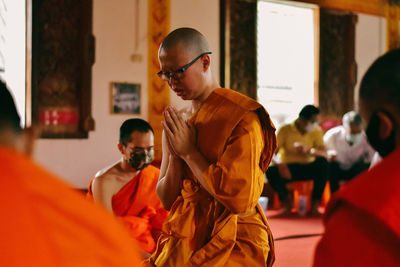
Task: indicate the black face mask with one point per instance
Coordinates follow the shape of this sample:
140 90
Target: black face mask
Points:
139 161
383 147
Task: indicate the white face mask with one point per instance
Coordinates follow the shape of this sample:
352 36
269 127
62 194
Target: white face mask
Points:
354 138
311 126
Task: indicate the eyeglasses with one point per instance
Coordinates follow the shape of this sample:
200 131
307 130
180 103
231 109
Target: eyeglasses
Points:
141 150
178 74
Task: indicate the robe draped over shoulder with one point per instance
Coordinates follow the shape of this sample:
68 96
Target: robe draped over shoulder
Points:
48 223
362 220
226 227
138 206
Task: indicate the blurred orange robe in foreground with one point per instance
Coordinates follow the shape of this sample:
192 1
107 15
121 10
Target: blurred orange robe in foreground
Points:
362 222
227 227
138 206
46 223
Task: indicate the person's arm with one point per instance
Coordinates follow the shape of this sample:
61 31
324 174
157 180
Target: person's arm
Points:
101 192
318 148
180 136
235 180
171 172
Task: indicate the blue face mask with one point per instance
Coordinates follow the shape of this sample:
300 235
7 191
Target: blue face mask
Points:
383 147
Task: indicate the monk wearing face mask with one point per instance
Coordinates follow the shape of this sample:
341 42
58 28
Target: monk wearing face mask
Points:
128 187
300 155
349 151
362 220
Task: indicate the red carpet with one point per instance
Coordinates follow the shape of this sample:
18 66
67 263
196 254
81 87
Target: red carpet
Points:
295 239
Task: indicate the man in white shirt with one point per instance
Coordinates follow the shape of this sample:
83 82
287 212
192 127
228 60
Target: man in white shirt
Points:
348 150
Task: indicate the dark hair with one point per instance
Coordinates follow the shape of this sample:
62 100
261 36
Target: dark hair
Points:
308 111
131 125
9 117
381 84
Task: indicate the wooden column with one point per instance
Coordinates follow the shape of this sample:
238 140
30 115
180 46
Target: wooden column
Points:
159 94
392 14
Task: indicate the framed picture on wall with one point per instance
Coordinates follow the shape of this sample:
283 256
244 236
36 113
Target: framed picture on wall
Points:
125 98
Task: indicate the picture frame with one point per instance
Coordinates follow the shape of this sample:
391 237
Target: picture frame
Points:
125 98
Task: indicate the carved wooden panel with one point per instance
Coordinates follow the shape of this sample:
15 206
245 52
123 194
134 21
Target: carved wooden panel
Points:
238 46
337 75
62 57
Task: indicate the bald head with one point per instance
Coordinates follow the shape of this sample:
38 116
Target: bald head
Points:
9 118
190 39
380 87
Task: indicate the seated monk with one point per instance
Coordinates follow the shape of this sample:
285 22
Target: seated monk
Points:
128 187
45 222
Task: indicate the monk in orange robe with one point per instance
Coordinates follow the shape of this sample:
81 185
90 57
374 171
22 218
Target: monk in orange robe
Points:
45 222
128 187
362 220
213 165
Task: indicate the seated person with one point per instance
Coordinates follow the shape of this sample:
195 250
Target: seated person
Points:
348 149
128 187
301 154
45 222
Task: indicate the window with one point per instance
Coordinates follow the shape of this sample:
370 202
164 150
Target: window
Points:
287 58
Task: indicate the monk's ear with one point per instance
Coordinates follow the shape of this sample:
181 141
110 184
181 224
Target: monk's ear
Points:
206 61
121 148
385 125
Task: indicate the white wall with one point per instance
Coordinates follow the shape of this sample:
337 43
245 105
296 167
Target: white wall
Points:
12 50
370 44
77 160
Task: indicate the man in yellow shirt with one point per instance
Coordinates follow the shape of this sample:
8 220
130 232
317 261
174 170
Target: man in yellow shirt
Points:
300 156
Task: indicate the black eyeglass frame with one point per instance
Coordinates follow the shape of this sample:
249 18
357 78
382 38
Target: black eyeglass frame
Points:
172 74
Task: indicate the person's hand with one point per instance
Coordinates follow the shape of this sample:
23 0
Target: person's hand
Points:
284 171
181 135
331 155
300 148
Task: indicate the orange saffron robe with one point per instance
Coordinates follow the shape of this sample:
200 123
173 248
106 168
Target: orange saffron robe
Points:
138 206
47 223
362 222
227 227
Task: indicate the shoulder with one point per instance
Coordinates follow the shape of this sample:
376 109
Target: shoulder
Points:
334 131
107 174
285 128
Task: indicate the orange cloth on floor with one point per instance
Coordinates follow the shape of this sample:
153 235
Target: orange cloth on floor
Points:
137 204
227 227
362 220
47 223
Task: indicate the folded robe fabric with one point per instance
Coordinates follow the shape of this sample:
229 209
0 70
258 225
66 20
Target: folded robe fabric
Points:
362 221
138 206
226 227
47 223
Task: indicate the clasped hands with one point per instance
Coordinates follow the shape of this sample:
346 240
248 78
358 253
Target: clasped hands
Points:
180 134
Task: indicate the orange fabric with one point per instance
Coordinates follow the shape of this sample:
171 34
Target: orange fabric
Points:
138 206
227 228
46 223
362 220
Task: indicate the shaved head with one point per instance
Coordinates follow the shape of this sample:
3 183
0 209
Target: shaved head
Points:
192 40
380 86
9 118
